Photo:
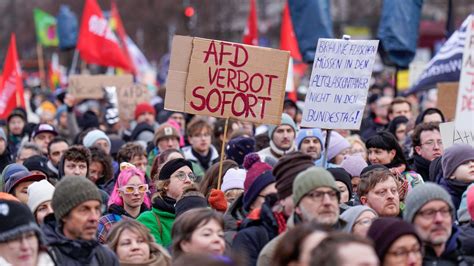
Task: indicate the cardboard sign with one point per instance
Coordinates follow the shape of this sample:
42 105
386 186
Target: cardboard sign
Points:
224 79
447 97
465 101
91 87
339 84
129 97
450 135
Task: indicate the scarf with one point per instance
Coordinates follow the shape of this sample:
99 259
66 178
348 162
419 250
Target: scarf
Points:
277 152
165 204
422 166
203 160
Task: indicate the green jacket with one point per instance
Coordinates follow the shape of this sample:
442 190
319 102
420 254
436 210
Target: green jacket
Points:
162 230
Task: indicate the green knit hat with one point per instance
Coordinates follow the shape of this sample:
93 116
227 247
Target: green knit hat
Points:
72 191
310 179
421 195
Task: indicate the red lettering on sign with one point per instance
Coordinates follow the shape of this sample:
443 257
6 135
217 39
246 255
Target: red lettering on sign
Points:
201 106
467 103
211 50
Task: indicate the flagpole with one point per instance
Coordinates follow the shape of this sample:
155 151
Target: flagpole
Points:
74 62
39 53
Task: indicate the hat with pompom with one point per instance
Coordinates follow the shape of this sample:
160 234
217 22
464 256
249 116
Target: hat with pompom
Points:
259 176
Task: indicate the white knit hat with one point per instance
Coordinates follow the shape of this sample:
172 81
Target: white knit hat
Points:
39 192
233 178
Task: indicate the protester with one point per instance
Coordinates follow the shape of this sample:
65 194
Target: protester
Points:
430 209
209 181
198 231
20 237
75 162
16 129
238 148
9 171
371 126
354 164
133 153
338 148
101 170
310 141
282 139
358 220
128 200
166 137
71 231
400 106
38 164
344 184
357 146
430 115
42 135
158 163
40 195
134 245
398 128
26 150
5 154
97 138
18 183
233 184
466 236
396 242
201 152
174 176
190 199
427 146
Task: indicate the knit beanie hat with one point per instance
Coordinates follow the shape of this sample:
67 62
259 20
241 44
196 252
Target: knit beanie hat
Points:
337 144
354 164
142 108
309 132
259 176
2 134
310 179
454 156
38 193
94 136
89 120
286 170
171 166
20 177
385 231
352 214
165 130
72 191
285 120
422 194
233 178
470 201
16 219
8 171
238 147
343 176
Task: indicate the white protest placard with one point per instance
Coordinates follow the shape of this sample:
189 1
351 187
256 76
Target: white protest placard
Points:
451 135
465 103
339 83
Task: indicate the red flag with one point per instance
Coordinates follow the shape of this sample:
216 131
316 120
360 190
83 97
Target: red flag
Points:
11 87
251 30
120 29
97 43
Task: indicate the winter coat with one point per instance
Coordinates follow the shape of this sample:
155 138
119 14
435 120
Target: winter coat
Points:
160 220
452 254
114 215
232 218
188 155
455 188
466 237
66 251
254 234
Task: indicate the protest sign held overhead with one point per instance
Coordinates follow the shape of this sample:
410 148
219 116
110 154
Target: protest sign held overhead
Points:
451 135
465 101
91 87
224 79
339 83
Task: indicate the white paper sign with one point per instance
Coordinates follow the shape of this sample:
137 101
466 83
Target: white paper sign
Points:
464 119
339 83
451 136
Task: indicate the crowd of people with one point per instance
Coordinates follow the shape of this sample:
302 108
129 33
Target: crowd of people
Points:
82 187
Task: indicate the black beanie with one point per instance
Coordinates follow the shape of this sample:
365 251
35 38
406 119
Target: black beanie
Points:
170 167
16 219
343 176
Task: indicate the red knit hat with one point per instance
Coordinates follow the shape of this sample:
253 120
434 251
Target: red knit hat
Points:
142 108
255 167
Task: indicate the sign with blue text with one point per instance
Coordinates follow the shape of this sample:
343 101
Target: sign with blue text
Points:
339 83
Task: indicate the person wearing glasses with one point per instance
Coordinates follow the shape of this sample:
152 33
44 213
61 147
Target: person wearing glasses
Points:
175 175
427 146
430 209
128 200
358 218
396 242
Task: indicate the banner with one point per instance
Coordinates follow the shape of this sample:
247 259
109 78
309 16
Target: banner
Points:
339 84
451 135
97 43
11 86
45 25
119 29
465 102
251 30
223 79
67 28
91 87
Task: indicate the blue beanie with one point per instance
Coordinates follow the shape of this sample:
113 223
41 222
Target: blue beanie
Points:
285 120
9 170
94 136
257 186
61 109
309 132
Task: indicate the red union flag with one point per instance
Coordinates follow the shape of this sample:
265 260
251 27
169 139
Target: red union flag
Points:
251 30
11 87
97 43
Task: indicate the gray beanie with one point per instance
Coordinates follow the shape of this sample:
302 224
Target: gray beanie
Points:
285 120
454 156
72 191
351 215
422 194
310 179
93 136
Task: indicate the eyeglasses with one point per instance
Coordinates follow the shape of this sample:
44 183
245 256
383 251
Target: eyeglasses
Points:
130 189
402 254
432 142
365 222
318 196
430 214
182 176
28 237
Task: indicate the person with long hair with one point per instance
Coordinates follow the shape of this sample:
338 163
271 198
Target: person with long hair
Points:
128 200
133 244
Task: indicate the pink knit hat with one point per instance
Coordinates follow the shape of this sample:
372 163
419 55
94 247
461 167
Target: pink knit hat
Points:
354 164
255 167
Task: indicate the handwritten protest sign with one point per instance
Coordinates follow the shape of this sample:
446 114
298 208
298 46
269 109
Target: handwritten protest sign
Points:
91 87
465 102
129 97
223 79
339 83
447 98
451 135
